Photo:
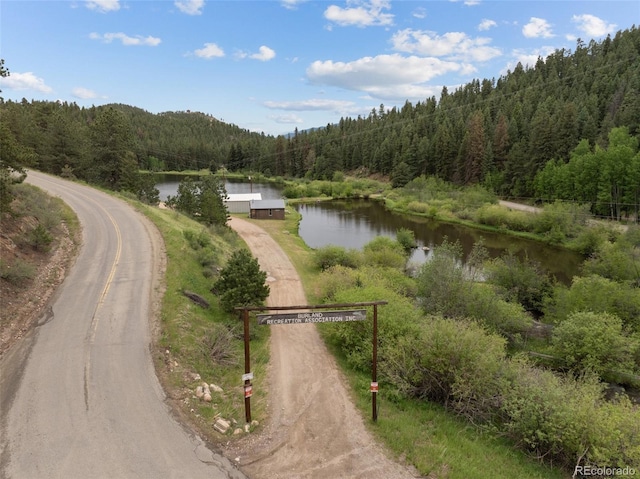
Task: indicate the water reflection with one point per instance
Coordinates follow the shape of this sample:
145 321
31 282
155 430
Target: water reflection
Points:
168 186
352 224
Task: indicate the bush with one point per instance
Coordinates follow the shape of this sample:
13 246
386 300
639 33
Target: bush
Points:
198 240
396 320
454 363
519 281
217 345
17 272
597 294
501 217
418 207
559 220
39 238
407 239
385 252
567 420
328 256
590 240
618 262
444 290
594 342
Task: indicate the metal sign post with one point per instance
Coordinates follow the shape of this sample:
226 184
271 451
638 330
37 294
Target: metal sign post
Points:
310 317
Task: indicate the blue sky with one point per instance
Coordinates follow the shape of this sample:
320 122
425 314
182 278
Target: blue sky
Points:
276 65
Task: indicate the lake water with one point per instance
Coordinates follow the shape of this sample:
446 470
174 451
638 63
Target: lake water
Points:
353 223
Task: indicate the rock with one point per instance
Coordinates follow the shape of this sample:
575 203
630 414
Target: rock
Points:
207 397
195 377
237 431
221 426
199 392
247 428
255 423
215 388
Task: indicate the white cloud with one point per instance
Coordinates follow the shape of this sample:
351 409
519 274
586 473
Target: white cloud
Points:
454 45
420 13
468 3
291 4
25 81
103 6
486 24
360 13
310 105
190 7
384 76
536 28
126 39
83 93
593 26
264 55
286 119
210 50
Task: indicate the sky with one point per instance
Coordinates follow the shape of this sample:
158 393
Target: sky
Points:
276 65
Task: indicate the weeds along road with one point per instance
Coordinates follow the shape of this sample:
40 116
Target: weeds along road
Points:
79 397
314 429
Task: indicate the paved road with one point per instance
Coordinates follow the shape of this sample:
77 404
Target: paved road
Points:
79 396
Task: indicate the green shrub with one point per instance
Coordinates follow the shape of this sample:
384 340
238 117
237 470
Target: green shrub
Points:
241 282
619 261
561 220
17 272
590 240
331 255
385 252
501 217
407 239
454 363
597 294
443 289
396 320
39 238
588 341
567 420
207 257
521 281
418 207
201 239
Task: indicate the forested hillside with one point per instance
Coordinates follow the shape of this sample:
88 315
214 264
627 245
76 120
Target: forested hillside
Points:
498 132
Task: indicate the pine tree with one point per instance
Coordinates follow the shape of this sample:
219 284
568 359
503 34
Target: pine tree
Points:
241 282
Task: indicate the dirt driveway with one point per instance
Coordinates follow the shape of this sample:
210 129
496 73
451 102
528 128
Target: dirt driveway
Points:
314 430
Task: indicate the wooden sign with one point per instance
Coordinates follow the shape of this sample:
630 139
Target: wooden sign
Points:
312 317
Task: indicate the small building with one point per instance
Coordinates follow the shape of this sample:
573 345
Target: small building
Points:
241 202
267 209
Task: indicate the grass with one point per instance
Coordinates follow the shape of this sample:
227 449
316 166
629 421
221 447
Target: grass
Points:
436 442
185 327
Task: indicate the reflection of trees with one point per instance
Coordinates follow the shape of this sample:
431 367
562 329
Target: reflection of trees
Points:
366 219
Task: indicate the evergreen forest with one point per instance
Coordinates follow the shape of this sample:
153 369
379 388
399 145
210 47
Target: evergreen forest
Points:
513 135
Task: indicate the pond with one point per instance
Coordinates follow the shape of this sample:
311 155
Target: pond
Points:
353 223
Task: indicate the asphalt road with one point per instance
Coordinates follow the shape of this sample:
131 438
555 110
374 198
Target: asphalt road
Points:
79 396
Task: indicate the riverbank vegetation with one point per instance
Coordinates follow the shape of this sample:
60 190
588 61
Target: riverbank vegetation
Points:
464 344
